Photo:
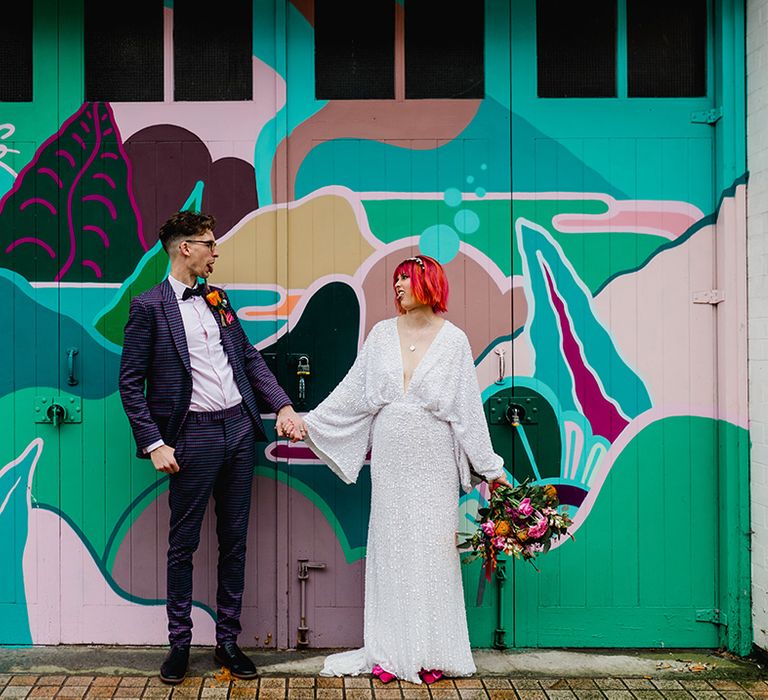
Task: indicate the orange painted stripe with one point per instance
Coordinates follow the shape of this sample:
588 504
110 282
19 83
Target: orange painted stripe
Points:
282 310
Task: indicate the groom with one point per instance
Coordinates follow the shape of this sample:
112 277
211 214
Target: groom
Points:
192 384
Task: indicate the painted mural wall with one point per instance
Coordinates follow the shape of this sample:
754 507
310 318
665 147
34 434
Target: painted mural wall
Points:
582 250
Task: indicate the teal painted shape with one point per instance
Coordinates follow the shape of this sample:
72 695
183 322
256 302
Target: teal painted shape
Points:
335 163
619 382
195 200
14 528
33 325
6 181
300 89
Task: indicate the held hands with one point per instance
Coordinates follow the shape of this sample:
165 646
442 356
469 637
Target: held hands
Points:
290 424
164 459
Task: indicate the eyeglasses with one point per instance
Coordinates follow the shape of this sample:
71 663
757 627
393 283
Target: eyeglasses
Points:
211 244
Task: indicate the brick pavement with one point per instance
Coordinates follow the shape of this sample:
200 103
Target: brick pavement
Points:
223 687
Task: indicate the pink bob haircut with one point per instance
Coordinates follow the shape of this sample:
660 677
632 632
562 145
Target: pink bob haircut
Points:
428 282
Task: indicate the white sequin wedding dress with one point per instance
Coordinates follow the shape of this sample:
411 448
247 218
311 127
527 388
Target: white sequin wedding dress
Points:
422 441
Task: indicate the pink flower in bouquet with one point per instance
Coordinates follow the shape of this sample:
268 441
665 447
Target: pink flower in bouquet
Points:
525 508
489 528
539 529
534 548
499 542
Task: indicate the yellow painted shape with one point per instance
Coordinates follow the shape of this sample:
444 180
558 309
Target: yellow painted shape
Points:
320 237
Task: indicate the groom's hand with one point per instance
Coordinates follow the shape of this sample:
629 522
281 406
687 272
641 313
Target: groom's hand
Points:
164 459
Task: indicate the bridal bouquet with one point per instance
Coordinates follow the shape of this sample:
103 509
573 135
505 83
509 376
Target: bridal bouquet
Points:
520 521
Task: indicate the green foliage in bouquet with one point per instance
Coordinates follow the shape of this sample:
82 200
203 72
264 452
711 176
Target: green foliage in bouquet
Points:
520 521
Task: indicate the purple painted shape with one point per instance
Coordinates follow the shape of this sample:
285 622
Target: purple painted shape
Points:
53 174
39 200
100 231
109 154
599 411
570 495
86 128
107 132
93 266
103 200
35 241
153 152
105 177
66 155
79 139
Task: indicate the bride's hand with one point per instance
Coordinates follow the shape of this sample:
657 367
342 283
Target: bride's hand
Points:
500 481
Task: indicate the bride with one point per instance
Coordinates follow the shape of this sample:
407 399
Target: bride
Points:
412 399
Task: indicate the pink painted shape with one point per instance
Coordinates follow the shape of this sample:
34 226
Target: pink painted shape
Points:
110 155
35 241
66 155
85 126
39 200
65 585
668 219
107 132
245 120
103 200
52 174
601 413
100 231
79 139
105 177
93 266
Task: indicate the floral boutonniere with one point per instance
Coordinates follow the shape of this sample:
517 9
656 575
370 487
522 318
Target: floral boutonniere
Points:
217 301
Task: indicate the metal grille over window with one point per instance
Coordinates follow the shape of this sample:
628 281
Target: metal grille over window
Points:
124 55
354 50
576 48
444 49
16 53
666 47
212 51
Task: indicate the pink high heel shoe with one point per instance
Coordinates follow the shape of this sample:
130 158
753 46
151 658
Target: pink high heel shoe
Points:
382 675
431 676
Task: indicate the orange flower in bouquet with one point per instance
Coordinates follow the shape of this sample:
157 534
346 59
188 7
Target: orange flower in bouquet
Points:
520 521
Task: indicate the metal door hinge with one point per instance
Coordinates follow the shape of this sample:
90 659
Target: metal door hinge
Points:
707 116
712 296
713 615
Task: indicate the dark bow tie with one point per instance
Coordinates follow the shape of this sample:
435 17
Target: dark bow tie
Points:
197 291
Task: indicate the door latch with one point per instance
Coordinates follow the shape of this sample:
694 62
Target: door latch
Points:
302 372
304 568
56 410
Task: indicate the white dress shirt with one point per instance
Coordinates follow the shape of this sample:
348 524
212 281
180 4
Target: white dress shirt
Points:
213 383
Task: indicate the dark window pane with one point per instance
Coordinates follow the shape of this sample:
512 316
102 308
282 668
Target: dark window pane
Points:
212 50
16 53
576 48
124 52
444 49
354 50
667 48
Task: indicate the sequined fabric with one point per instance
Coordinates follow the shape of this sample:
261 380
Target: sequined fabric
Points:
422 441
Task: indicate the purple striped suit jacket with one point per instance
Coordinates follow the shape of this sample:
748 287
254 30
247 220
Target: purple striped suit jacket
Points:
155 375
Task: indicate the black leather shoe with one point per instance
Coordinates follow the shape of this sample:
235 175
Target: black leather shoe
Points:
175 666
230 656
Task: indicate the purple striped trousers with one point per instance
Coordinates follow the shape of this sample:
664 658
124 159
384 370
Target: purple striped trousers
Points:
216 455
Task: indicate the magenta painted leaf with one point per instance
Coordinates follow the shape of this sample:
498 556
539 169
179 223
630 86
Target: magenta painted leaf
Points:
71 214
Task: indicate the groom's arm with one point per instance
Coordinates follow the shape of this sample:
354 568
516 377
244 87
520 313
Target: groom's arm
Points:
134 367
